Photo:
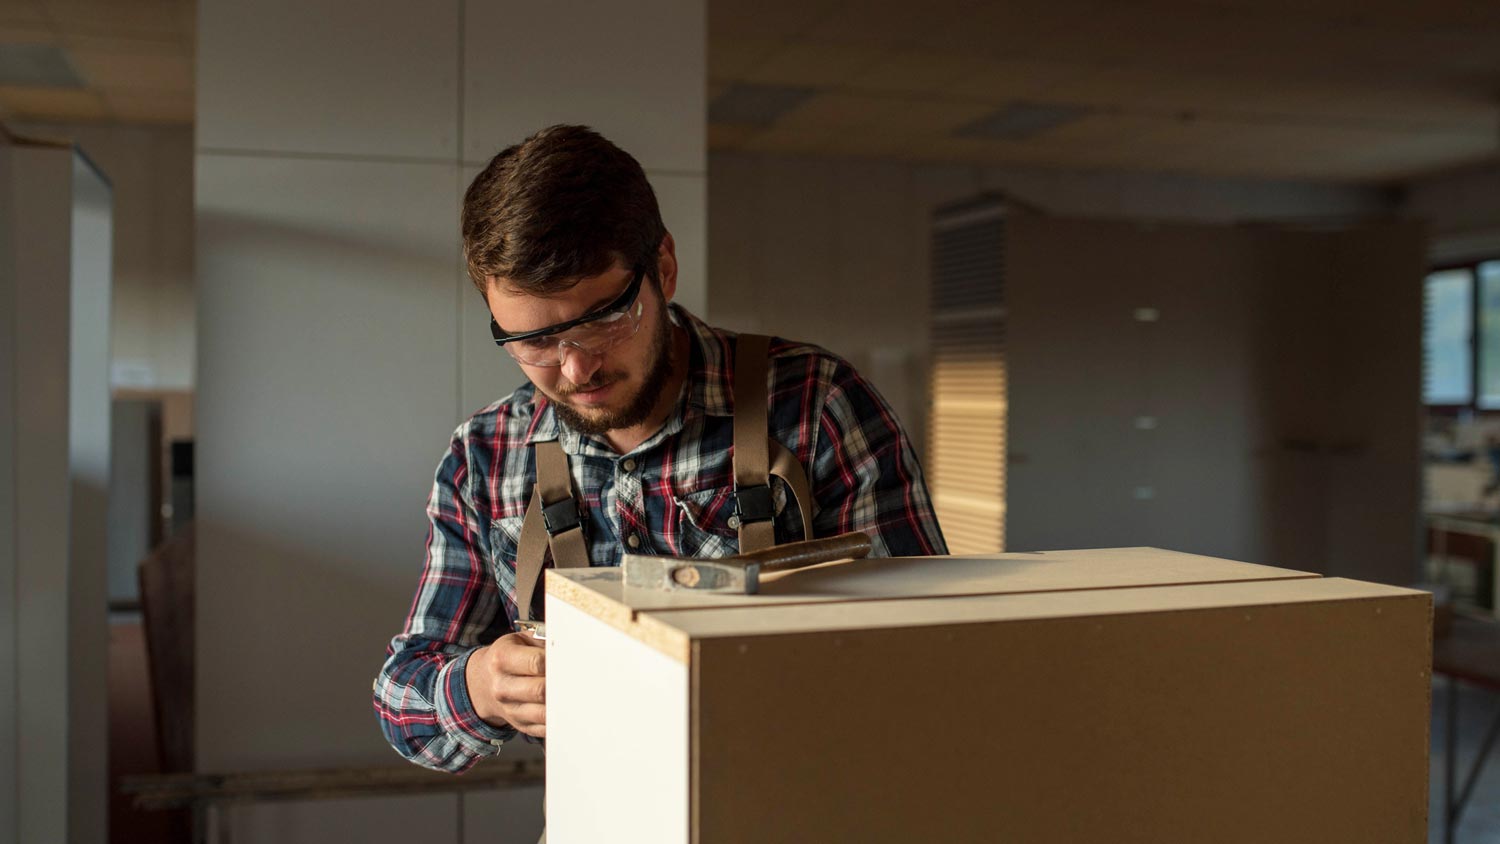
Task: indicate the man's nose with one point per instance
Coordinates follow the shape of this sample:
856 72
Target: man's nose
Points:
578 366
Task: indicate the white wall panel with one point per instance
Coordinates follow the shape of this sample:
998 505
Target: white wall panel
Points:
338 78
684 208
633 71
328 338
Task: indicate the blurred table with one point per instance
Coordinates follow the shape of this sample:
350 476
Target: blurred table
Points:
1473 536
1465 649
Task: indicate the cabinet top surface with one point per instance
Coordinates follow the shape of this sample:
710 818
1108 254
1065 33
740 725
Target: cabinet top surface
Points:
937 591
929 577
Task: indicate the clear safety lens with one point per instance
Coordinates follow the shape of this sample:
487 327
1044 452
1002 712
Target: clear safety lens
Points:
594 337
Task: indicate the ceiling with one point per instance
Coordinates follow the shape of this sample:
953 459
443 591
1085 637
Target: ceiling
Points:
1332 90
1335 90
133 59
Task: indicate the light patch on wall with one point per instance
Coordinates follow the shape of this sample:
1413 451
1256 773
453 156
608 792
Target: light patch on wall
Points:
37 65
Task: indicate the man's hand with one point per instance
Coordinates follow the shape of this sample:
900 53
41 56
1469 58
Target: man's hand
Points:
507 682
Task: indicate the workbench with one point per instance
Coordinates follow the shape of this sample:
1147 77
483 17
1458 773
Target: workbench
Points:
1115 695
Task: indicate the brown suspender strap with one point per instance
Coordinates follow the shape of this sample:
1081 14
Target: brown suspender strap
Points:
785 465
552 514
552 520
752 460
757 455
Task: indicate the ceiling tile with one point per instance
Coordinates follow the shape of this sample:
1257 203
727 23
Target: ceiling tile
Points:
24 12
884 24
789 141
778 20
1000 29
156 107
826 65
150 71
917 72
117 17
24 33
1004 80
725 136
829 111
729 59
52 104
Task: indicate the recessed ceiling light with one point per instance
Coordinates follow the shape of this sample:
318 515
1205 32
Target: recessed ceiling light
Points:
1019 121
37 65
755 105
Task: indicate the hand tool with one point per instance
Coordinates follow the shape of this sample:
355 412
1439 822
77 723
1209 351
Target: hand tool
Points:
739 575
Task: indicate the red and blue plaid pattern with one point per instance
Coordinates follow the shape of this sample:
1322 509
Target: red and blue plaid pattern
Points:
673 494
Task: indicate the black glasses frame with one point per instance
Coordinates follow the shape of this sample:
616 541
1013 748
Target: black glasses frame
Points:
626 298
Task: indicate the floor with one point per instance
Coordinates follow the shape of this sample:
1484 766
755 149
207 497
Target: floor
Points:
1477 710
132 738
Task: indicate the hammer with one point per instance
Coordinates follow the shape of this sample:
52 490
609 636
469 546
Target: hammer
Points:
739 575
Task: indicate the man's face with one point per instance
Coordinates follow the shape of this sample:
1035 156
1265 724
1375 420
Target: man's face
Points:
594 392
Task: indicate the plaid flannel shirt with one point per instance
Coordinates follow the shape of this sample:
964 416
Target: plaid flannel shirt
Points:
673 494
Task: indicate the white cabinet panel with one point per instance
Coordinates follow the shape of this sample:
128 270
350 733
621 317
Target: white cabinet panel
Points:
373 78
327 324
633 71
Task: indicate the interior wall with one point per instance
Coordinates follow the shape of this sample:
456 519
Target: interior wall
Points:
341 341
153 323
1240 420
836 251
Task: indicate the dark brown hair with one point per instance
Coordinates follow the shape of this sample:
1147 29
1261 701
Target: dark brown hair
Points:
563 205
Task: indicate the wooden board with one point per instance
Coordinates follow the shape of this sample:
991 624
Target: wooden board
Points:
600 592
1258 715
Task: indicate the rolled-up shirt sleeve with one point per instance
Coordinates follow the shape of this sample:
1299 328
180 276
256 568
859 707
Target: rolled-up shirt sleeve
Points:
420 695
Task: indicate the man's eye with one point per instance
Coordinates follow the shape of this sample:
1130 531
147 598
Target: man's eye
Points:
536 344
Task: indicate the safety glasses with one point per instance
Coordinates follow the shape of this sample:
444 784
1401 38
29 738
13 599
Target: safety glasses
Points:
595 332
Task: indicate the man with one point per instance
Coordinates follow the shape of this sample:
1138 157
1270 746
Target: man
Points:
634 399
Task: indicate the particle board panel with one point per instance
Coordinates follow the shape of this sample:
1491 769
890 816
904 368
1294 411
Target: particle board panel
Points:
602 592
1253 716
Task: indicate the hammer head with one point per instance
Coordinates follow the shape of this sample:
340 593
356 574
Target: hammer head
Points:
739 575
729 575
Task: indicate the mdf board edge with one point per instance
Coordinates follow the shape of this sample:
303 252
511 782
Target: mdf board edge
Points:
1275 722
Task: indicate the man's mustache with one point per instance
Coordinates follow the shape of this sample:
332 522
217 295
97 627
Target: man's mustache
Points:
593 384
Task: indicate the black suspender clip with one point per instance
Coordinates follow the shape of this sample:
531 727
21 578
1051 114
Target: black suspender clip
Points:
754 504
560 516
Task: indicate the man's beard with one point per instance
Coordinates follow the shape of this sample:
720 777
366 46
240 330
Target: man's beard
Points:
641 404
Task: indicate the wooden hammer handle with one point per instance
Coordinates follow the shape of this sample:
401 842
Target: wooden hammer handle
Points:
809 552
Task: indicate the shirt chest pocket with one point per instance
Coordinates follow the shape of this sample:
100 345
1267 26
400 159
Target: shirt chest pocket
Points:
505 543
707 525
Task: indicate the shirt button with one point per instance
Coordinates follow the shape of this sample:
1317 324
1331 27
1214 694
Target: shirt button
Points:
629 464
633 541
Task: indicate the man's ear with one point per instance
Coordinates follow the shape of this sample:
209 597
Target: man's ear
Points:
666 267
